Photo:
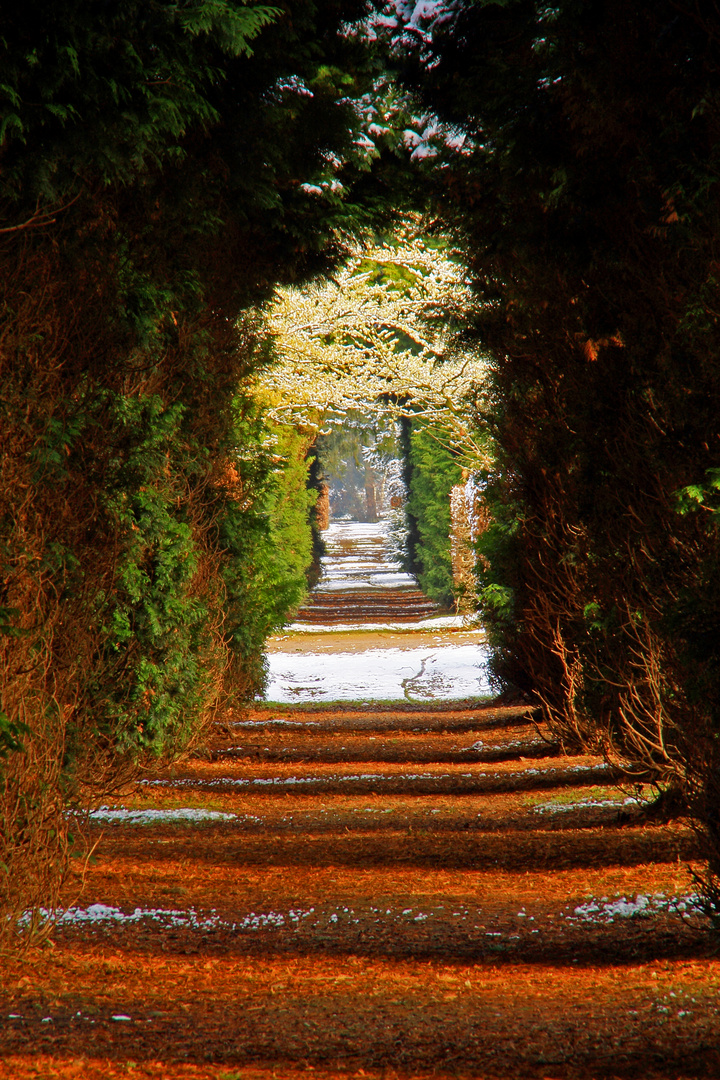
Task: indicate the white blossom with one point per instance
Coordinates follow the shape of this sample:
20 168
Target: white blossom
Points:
382 336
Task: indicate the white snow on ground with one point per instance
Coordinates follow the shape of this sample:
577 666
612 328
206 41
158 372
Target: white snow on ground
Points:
434 622
581 804
478 747
357 559
277 721
344 778
513 744
279 781
119 814
600 767
366 575
424 674
606 910
170 919
102 913
594 911
340 530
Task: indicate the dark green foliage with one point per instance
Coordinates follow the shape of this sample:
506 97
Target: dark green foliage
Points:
153 159
412 539
11 732
340 451
433 472
497 570
589 207
316 484
157 642
268 539
106 94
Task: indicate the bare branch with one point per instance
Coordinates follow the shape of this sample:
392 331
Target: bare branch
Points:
40 218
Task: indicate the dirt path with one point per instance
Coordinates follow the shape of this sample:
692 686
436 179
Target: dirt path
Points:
378 890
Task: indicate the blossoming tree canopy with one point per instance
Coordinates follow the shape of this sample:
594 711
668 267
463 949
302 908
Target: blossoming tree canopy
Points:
386 333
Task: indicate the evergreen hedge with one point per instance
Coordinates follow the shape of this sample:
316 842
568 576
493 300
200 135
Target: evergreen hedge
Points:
153 158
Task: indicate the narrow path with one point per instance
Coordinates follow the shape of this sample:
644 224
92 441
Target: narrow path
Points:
360 583
368 633
374 888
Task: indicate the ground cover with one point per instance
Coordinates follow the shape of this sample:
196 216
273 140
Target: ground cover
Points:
391 890
404 933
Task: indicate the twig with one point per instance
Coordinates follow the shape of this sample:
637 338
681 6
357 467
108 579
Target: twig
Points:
39 219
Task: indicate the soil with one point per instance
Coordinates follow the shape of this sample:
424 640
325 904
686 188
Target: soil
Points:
420 916
357 640
403 891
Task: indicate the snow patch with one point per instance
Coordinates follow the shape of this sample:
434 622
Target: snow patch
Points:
121 815
433 622
639 906
279 781
582 804
275 722
422 674
345 778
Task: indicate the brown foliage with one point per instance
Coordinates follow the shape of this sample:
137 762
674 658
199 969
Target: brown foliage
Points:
322 508
60 551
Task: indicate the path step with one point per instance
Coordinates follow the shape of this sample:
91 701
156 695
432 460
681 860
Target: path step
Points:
357 608
385 783
360 584
399 717
302 751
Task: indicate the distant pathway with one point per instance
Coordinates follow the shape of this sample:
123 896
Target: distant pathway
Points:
367 632
360 583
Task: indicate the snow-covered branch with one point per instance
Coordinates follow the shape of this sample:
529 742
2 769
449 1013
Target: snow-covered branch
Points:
382 335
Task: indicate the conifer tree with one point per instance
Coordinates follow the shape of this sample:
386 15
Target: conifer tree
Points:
162 167
586 192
